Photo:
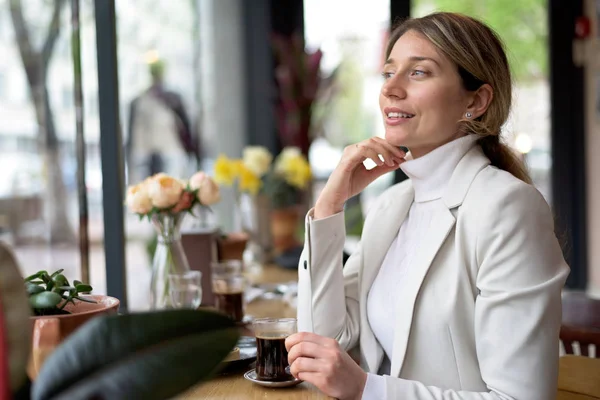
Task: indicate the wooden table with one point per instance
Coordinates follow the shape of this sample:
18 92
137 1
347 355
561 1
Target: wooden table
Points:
234 386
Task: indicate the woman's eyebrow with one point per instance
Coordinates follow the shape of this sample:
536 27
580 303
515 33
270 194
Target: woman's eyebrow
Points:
413 59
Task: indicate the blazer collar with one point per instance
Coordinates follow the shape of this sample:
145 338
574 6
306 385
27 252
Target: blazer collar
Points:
462 177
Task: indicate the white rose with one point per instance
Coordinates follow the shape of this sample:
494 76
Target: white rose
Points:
138 199
164 191
257 159
209 192
197 180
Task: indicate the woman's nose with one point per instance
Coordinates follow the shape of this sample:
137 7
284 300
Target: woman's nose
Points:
393 88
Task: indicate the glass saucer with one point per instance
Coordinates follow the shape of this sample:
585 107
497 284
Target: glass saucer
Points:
251 376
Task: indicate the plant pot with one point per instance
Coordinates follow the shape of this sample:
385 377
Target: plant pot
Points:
284 224
50 330
232 246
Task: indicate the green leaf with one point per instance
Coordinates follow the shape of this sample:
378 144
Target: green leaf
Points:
34 276
56 273
45 277
33 289
76 282
154 355
81 288
60 280
37 282
67 300
65 288
45 300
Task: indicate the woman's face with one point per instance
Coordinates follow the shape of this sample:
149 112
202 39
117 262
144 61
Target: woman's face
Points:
422 98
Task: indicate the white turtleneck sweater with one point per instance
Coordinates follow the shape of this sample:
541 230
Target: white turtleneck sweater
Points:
429 175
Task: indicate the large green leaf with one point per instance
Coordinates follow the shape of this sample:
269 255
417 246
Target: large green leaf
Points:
154 355
15 311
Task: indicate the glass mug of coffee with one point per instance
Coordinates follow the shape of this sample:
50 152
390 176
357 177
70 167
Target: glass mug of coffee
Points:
228 285
272 357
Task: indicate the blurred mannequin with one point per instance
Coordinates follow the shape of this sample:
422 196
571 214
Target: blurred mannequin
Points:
160 137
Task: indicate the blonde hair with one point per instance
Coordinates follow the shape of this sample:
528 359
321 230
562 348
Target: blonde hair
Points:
479 54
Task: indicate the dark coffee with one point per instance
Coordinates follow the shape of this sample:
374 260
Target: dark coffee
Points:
272 357
231 304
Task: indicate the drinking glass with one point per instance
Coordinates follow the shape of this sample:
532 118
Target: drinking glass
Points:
185 289
227 267
272 356
228 285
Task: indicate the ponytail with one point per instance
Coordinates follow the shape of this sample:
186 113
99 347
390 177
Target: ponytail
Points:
503 157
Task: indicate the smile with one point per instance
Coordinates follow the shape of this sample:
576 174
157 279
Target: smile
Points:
399 115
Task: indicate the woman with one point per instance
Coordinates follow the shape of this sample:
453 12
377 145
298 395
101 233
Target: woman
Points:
455 290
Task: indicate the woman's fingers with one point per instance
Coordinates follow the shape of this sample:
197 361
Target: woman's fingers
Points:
296 338
351 177
394 150
314 378
305 364
304 349
375 147
372 152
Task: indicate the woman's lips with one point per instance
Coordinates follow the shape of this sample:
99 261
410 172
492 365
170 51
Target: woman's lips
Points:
396 120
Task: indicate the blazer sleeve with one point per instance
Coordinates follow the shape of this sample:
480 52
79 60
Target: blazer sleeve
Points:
518 309
327 291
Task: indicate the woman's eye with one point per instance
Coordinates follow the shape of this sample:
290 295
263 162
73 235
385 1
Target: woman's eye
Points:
418 72
387 75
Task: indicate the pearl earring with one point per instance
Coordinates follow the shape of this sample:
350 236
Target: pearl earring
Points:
468 115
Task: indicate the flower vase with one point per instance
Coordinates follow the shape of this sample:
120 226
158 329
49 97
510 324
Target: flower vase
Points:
255 210
169 257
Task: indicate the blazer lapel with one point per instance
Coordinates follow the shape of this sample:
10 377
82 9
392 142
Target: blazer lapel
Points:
415 277
388 218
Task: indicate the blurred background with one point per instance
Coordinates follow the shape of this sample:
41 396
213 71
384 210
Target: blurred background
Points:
215 65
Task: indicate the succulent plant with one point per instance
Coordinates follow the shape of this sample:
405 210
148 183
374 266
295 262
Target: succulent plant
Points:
50 293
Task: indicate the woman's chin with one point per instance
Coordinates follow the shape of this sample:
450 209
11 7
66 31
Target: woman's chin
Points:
396 138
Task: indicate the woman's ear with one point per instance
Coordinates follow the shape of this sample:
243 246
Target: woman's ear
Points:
481 100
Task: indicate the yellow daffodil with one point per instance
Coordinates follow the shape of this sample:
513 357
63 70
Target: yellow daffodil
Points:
298 172
225 170
248 181
294 167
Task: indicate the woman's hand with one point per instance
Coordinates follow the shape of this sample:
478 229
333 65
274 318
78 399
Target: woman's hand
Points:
350 177
321 361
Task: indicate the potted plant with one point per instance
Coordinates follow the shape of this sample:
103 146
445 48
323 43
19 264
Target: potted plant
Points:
59 309
245 178
283 182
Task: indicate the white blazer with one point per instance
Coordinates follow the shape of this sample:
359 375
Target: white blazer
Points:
482 314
